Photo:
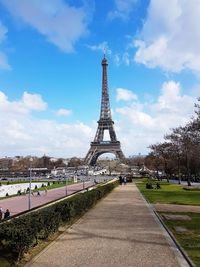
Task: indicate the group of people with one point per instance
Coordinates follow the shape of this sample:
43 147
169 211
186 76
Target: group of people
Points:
149 185
39 193
4 215
122 180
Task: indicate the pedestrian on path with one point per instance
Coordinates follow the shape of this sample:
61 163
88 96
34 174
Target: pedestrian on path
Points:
125 180
120 180
7 214
158 185
1 213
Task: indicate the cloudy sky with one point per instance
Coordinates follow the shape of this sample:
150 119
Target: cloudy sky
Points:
50 72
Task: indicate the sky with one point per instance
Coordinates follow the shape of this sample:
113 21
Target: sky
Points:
51 73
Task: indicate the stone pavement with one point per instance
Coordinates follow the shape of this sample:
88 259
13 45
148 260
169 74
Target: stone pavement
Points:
120 231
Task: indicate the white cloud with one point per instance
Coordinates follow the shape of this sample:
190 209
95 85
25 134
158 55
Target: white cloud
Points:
170 38
103 47
63 112
142 124
3 58
123 58
172 102
59 22
117 59
125 95
123 9
4 62
126 58
33 101
137 124
23 134
28 103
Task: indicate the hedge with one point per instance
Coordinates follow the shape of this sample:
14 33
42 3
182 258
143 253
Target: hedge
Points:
18 235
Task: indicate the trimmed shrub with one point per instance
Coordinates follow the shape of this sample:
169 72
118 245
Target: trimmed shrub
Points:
20 234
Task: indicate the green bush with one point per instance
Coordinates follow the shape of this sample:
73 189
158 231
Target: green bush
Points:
20 234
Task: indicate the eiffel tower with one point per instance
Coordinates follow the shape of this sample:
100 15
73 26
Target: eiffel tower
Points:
99 146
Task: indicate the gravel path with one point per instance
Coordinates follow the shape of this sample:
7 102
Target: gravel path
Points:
120 231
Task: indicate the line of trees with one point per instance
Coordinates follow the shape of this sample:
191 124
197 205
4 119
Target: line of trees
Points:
179 155
23 163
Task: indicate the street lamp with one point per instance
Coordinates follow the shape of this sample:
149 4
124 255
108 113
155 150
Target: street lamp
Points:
83 182
30 177
66 181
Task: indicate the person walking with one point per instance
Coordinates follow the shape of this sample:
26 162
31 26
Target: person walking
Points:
120 180
1 213
7 214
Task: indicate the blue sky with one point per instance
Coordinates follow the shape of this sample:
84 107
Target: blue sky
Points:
50 72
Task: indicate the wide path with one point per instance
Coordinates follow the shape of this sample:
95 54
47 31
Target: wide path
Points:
21 203
120 231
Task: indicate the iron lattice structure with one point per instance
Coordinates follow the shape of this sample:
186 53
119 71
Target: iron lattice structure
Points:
99 146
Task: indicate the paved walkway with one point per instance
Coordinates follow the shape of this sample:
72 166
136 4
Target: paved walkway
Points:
177 208
19 204
120 231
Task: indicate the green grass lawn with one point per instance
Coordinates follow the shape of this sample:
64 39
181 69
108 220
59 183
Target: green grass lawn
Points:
169 193
189 240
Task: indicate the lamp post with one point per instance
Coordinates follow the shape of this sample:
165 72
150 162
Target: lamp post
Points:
83 182
66 181
30 178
